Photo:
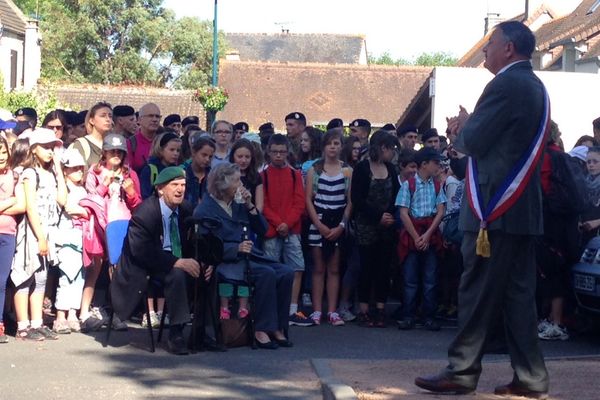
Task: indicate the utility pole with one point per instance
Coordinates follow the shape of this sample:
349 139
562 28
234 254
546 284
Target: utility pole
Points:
215 59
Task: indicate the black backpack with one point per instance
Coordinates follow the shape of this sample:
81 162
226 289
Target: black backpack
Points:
568 190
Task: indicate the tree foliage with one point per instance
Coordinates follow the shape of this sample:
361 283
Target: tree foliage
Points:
435 59
123 41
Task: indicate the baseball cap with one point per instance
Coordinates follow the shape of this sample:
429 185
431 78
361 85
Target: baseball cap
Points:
428 154
72 158
7 124
114 141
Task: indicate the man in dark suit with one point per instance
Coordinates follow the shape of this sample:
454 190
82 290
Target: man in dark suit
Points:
499 280
153 249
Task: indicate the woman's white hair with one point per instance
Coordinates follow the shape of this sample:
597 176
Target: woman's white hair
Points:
220 178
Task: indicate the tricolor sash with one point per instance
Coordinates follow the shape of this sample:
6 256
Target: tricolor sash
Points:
511 188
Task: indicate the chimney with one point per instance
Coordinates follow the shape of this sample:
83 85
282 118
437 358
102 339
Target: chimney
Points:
491 21
233 55
32 55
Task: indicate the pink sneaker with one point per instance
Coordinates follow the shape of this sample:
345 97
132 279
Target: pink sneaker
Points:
225 313
316 317
335 319
243 313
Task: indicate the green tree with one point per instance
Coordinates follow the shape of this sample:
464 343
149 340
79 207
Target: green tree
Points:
122 41
425 59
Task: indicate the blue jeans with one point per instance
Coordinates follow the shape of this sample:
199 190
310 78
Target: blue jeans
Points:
420 266
7 252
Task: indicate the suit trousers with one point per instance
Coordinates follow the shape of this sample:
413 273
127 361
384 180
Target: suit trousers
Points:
272 295
175 287
504 283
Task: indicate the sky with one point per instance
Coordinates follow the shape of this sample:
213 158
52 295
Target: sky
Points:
404 28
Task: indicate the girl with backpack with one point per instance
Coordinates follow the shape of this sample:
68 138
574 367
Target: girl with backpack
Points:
45 192
329 207
111 179
165 153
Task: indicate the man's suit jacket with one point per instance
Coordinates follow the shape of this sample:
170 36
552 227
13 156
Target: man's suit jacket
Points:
497 134
143 256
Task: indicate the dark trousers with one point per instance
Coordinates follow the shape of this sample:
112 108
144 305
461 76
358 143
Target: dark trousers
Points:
420 267
504 283
374 279
175 287
272 295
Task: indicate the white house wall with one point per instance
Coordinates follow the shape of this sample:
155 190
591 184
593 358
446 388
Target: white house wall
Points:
10 42
573 97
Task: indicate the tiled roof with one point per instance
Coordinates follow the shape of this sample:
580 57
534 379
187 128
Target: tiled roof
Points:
475 57
293 47
82 97
261 92
12 18
578 25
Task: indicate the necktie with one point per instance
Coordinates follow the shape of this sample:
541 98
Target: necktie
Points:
174 233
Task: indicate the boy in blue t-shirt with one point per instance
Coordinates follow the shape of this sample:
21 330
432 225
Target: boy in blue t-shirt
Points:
422 204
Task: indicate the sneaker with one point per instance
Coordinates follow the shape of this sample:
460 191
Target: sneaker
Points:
299 319
47 333
306 300
98 313
379 320
364 320
431 325
335 319
346 314
90 324
441 311
451 313
224 313
243 313
3 336
316 317
543 325
154 320
30 334
61 327
74 325
554 332
406 324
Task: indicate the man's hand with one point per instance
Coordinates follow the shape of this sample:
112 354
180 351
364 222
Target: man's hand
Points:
188 265
245 246
283 229
455 124
208 270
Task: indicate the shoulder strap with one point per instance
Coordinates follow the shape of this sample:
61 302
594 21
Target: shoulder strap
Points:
438 186
153 173
412 185
133 143
85 147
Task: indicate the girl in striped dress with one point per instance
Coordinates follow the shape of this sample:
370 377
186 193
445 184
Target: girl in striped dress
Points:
328 206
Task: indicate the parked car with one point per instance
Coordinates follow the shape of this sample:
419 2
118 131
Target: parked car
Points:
586 278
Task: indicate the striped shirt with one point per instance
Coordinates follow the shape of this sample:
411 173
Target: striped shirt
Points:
331 192
423 202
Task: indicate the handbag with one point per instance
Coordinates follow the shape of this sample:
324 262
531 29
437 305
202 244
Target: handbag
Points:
235 332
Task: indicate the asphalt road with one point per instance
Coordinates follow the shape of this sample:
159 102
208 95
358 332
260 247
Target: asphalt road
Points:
77 366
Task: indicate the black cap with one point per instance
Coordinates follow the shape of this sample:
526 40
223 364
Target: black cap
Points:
171 119
360 123
298 116
123 111
241 126
389 127
27 111
266 128
21 127
335 123
432 132
70 116
190 120
428 154
404 129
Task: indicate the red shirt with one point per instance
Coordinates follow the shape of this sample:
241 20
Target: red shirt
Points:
284 199
143 147
546 169
8 225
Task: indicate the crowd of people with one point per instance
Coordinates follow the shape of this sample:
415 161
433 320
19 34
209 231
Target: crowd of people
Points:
340 218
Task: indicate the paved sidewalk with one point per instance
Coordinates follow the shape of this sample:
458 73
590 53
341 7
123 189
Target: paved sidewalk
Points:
570 379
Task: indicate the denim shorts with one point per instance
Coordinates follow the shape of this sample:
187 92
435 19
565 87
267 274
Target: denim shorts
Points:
287 250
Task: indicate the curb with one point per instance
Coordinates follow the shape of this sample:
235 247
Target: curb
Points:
331 388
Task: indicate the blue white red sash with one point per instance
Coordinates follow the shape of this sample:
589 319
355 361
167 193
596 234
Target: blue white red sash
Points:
513 185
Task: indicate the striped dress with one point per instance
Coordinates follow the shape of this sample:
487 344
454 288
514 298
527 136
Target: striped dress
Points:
330 202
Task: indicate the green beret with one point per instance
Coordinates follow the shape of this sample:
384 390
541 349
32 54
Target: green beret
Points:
168 174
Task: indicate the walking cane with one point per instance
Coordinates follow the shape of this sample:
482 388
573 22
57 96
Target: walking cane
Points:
248 278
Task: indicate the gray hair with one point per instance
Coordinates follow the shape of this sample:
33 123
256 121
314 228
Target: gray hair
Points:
220 121
220 178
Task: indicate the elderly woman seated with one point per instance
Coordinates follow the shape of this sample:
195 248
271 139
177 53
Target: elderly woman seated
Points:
272 281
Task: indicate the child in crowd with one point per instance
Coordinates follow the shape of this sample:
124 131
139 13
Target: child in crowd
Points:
45 192
12 202
422 205
110 176
283 208
165 153
70 246
310 148
243 154
328 205
407 164
197 169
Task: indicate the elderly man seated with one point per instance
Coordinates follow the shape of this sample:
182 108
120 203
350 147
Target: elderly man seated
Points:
272 281
154 248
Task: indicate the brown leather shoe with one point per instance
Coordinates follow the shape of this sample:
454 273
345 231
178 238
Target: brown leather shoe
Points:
441 384
513 390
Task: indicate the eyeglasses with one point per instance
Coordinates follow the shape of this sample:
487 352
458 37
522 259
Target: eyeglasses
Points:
278 151
55 127
157 116
222 132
